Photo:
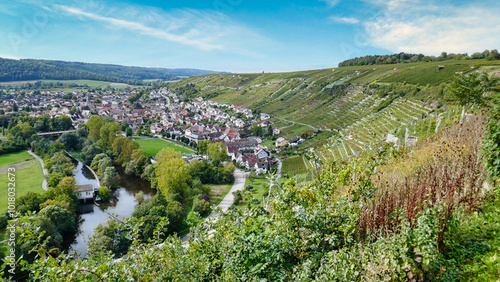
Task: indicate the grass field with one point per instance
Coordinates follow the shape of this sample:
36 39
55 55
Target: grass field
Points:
14 158
28 178
153 146
259 190
218 192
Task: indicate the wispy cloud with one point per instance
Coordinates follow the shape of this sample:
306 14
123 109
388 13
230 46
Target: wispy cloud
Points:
190 37
344 20
331 2
407 26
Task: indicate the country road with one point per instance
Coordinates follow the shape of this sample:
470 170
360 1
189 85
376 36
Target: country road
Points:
227 202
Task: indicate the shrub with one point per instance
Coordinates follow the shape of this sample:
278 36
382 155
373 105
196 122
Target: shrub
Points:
201 206
105 193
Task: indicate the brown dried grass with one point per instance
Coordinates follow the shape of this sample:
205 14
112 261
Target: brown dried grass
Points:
447 168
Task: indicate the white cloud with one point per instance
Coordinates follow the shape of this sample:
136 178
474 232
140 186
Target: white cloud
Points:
191 37
431 29
344 20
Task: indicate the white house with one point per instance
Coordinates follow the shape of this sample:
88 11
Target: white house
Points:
85 192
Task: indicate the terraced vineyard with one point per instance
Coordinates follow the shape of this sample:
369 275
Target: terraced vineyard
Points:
341 106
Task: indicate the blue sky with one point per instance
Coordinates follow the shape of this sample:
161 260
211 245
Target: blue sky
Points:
242 35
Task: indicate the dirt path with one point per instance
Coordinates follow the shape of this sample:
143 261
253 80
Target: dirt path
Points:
4 169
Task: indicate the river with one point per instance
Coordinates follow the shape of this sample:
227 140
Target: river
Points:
122 205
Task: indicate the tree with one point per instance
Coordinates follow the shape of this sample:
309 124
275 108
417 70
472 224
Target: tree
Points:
252 175
62 123
217 152
63 220
95 162
108 134
139 197
124 124
128 131
201 206
62 163
30 202
203 146
256 130
109 237
54 179
94 125
172 174
110 177
104 193
122 150
138 161
90 151
103 164
471 89
269 131
70 141
175 216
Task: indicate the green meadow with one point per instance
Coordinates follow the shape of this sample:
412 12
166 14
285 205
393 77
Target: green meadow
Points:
28 175
153 146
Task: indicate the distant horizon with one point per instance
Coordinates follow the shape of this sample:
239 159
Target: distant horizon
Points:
225 71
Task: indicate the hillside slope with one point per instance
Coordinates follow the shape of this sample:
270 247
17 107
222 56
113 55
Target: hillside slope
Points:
357 105
30 69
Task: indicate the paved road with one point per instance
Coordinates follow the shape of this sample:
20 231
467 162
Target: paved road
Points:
45 172
228 201
280 164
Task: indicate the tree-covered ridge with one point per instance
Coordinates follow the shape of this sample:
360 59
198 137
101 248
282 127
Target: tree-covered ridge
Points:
31 69
413 58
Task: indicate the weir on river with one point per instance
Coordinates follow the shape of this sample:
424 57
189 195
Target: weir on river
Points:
91 215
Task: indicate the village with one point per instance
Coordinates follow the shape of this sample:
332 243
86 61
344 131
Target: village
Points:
163 114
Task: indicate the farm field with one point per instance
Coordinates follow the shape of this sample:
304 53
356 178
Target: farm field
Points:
28 175
153 145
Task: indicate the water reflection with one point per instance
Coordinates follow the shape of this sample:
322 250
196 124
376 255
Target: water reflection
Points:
90 216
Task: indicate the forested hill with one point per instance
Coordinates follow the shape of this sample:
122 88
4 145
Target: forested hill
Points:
31 69
413 58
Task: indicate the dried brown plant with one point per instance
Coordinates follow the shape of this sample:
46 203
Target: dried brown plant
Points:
445 169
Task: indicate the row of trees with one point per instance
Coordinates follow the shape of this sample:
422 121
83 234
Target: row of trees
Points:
412 58
20 131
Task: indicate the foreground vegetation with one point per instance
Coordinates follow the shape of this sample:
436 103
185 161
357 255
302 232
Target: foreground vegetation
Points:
327 229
